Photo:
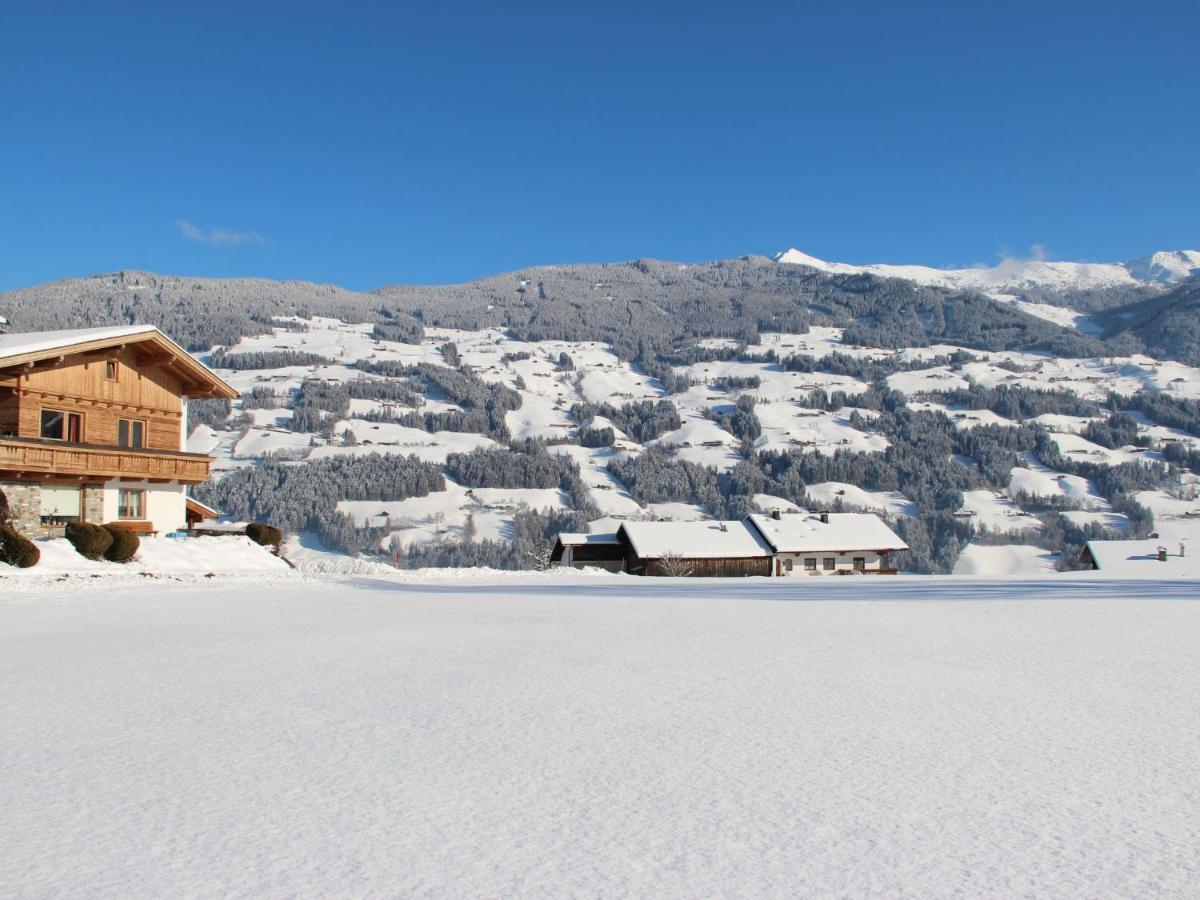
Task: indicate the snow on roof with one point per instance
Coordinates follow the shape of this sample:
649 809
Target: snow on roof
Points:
695 540
574 538
844 531
33 345
1140 558
38 341
196 505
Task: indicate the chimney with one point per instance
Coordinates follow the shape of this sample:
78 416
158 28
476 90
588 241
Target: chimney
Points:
723 526
825 518
775 513
1162 554
1182 550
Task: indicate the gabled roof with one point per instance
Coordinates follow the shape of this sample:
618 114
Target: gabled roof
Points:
576 539
34 346
694 540
1140 558
202 509
803 533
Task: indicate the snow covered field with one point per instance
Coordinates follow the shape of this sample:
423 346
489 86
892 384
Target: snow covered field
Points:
579 736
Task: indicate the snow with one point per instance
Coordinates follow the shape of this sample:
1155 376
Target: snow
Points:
1139 559
1004 561
994 514
828 494
1059 315
1038 480
39 341
843 533
964 419
156 556
1083 450
602 736
695 540
1162 267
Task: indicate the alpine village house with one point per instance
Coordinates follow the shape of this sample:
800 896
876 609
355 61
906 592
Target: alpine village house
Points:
776 545
93 427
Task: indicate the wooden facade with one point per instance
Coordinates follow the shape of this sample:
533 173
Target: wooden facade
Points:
24 459
720 567
104 409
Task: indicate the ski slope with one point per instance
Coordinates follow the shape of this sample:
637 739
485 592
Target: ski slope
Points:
602 736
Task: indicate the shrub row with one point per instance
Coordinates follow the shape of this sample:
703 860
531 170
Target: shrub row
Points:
111 542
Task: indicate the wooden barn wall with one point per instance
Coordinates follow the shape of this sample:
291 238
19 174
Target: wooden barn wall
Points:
724 567
79 385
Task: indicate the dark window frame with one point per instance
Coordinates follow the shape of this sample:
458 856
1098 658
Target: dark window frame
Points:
128 430
66 418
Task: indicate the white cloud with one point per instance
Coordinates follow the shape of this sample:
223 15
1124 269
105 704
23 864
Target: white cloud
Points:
219 237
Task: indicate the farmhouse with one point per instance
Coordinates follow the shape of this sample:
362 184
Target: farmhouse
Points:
829 543
776 545
93 424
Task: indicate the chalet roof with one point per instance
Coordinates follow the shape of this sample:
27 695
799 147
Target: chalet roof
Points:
576 539
1139 559
202 509
801 533
32 346
695 540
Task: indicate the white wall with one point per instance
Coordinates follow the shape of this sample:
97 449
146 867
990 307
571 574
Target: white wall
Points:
166 504
844 562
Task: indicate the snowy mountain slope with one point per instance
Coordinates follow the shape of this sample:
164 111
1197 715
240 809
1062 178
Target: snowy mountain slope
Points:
1165 267
800 409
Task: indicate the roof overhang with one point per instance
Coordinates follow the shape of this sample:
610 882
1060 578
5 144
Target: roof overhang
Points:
154 348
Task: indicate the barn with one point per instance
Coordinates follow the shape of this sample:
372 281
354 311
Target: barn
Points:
584 551
727 549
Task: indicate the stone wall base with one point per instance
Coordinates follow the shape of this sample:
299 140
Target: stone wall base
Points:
25 506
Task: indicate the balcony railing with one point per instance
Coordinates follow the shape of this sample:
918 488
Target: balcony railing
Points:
33 456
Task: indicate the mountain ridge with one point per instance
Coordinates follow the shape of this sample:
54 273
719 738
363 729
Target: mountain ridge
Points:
1163 268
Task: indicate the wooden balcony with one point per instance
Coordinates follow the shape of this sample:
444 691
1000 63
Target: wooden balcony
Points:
34 458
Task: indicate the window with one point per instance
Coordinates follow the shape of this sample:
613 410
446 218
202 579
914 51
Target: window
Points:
860 563
829 563
62 426
131 504
61 504
810 564
787 565
131 433
110 370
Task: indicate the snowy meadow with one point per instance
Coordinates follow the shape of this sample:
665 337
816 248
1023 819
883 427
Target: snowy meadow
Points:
599 736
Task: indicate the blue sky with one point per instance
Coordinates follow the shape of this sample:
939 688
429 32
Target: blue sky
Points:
374 143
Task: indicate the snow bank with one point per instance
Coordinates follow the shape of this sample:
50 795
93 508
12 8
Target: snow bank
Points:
200 556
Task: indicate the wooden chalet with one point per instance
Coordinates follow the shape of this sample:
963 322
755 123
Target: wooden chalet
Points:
93 427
